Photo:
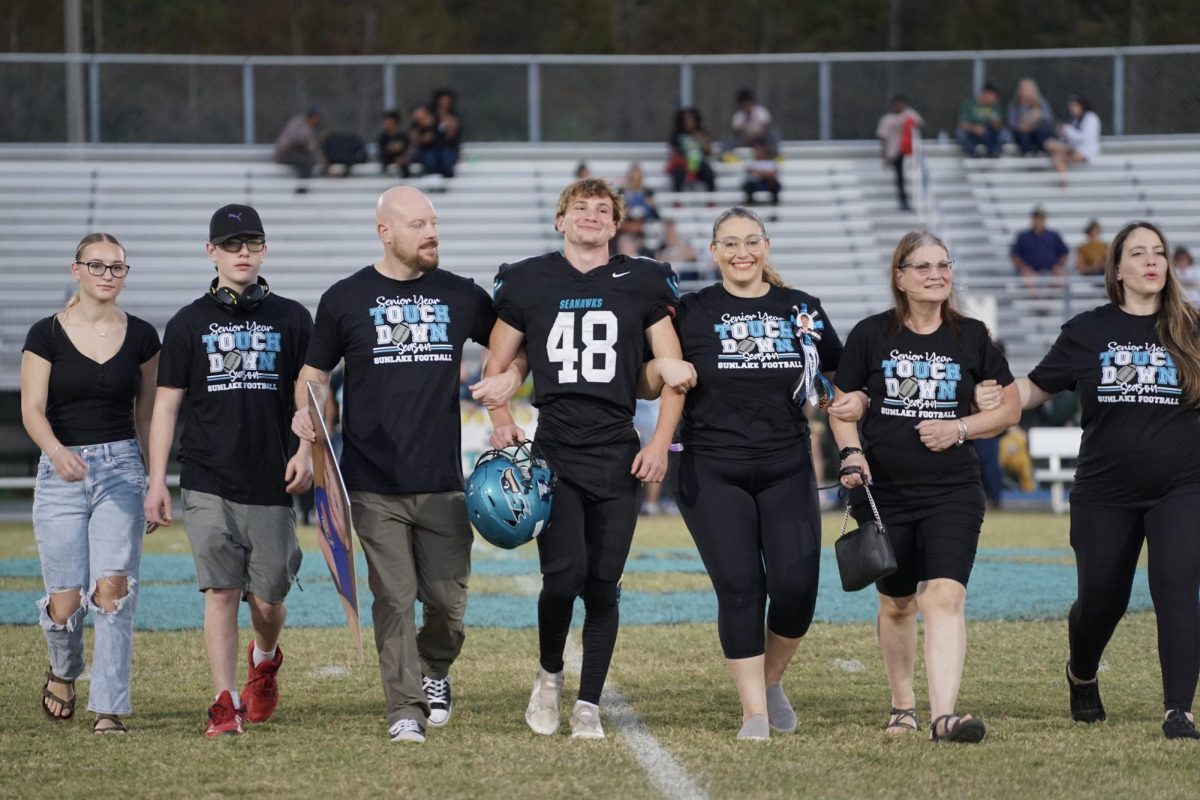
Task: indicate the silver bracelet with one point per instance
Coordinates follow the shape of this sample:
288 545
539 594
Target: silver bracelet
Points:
963 432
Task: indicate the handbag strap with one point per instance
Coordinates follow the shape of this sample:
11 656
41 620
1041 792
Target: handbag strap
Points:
874 510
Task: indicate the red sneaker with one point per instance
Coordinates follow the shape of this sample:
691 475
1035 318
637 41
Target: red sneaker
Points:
223 718
261 694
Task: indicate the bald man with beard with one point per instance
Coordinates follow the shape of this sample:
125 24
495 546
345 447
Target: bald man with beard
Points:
400 325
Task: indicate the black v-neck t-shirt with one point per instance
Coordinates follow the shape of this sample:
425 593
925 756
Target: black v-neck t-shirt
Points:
89 402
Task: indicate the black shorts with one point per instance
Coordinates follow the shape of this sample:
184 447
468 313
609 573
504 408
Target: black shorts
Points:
594 511
939 543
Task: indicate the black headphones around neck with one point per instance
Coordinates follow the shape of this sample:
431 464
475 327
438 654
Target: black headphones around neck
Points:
232 302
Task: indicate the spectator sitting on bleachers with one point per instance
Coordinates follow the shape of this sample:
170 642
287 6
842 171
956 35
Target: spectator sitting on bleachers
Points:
896 131
1091 255
690 148
631 234
582 170
395 151
437 134
633 245
980 122
674 248
1030 118
1079 137
751 123
636 193
762 174
298 146
344 149
1039 250
422 132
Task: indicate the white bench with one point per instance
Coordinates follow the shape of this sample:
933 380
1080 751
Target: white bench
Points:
1055 445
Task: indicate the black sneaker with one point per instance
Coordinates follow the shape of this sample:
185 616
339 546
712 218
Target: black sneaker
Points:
1178 726
437 692
1085 700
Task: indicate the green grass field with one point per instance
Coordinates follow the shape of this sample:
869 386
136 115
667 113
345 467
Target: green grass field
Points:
328 736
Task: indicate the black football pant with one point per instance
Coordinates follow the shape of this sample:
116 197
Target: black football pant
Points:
583 552
1107 542
757 526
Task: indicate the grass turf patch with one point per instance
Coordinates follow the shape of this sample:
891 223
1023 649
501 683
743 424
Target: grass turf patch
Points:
329 732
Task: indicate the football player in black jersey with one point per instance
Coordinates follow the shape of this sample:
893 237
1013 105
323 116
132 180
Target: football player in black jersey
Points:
587 322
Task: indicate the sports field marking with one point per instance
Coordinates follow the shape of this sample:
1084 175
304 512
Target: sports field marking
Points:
664 772
851 665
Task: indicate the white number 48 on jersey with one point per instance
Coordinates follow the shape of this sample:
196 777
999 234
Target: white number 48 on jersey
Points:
598 334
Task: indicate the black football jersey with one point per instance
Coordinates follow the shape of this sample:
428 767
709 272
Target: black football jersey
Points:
585 333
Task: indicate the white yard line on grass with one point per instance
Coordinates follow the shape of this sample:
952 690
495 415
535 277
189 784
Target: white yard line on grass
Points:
664 772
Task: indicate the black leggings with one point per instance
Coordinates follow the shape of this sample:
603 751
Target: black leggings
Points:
1107 542
583 553
757 526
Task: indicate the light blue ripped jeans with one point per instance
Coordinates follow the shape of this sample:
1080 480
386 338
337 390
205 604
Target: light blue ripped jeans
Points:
87 530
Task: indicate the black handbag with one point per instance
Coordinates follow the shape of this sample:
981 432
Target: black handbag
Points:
864 555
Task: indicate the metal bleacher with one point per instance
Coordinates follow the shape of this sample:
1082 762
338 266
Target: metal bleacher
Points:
832 234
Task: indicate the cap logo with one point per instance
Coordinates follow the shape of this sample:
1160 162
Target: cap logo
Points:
231 215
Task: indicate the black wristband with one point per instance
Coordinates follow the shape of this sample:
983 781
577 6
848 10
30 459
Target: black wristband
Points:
846 452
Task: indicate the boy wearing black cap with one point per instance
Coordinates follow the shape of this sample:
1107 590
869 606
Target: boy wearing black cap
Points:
235 353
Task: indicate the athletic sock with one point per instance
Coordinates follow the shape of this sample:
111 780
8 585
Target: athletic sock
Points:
261 657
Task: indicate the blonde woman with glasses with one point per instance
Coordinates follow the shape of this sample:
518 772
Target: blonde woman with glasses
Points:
742 471
87 390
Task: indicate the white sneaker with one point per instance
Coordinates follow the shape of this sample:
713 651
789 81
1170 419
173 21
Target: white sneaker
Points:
437 692
585 721
542 713
407 730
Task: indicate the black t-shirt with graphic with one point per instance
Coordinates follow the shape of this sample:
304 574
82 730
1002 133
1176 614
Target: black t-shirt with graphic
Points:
911 377
585 333
239 372
1140 437
748 354
402 341
89 402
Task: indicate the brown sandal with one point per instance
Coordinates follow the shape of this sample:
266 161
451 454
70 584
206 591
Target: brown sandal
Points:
115 725
67 707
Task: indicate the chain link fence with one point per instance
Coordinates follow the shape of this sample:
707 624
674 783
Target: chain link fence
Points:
232 100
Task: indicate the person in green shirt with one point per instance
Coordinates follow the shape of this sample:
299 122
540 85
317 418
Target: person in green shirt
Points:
980 122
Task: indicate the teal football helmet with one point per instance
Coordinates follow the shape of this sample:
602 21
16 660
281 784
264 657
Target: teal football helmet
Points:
509 496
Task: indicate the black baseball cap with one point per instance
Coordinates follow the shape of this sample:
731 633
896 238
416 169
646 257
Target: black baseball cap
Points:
234 220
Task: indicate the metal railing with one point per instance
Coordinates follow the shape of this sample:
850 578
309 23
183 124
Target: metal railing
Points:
827 96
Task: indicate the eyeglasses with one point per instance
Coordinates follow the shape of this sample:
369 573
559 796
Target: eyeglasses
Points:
925 269
731 245
235 245
118 268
